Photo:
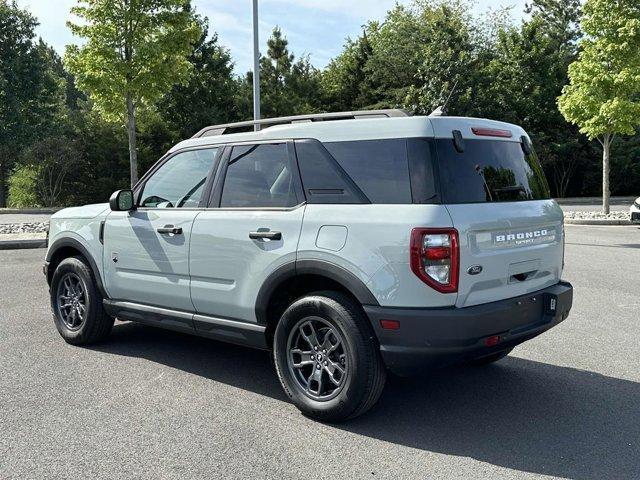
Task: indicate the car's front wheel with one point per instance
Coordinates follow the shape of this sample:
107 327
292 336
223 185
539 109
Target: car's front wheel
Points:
327 358
77 303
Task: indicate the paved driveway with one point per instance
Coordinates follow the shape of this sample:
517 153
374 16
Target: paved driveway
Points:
151 404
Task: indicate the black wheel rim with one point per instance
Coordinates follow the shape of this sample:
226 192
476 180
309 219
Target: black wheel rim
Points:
71 300
317 358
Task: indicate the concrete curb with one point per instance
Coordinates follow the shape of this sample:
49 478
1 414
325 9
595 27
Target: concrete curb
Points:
569 221
596 201
23 244
29 211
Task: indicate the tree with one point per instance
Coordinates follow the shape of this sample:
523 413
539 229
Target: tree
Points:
30 94
52 159
344 81
274 70
287 87
134 52
603 94
208 97
448 62
527 73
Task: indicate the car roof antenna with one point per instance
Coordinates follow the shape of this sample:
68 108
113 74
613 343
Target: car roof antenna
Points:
441 110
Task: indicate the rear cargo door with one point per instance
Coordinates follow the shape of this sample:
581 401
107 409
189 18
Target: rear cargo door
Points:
510 231
507 250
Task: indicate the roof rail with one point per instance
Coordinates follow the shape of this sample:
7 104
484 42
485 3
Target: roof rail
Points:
214 130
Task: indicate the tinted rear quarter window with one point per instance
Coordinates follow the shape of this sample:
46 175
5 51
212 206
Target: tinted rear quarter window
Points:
489 171
378 167
323 179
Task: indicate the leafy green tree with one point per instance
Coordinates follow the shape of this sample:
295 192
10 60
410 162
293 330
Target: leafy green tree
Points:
603 96
29 91
412 59
52 159
344 82
209 96
104 158
394 55
448 61
134 51
527 73
23 187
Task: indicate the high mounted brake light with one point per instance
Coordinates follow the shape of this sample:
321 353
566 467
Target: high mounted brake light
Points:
491 132
435 257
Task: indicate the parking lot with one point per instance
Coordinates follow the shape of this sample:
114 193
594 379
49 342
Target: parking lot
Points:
156 404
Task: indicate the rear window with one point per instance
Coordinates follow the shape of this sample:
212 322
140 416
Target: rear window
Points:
489 171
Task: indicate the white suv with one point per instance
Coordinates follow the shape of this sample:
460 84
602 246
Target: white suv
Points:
349 244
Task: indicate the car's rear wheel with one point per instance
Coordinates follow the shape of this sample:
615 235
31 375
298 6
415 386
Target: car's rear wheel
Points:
491 358
77 303
327 358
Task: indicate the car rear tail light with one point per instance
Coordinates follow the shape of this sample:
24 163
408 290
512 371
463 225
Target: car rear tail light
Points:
435 257
491 132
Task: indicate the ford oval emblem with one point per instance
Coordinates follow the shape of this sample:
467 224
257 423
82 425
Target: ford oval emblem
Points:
474 269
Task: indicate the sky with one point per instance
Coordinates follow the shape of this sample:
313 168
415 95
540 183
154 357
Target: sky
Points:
315 27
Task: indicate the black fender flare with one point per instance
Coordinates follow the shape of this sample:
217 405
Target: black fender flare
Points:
75 244
311 267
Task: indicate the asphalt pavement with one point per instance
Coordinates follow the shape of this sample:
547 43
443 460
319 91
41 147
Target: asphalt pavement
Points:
152 404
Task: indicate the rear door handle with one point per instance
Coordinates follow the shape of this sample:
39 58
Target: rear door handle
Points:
170 229
266 234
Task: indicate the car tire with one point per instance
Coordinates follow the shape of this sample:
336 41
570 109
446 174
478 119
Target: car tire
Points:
336 325
76 303
489 359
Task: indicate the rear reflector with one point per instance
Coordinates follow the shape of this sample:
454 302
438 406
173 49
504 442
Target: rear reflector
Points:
390 324
491 132
491 341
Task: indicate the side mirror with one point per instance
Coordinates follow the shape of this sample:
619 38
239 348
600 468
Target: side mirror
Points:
121 201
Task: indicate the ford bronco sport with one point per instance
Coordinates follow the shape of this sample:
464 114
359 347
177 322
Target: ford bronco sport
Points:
348 244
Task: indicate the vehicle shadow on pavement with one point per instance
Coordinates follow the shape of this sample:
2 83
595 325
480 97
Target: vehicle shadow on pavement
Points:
518 414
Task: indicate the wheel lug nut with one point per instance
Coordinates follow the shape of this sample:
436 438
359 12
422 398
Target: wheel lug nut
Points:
312 357
325 364
318 366
324 351
315 348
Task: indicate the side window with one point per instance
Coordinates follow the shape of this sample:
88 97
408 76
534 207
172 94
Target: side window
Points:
379 167
259 176
323 179
179 182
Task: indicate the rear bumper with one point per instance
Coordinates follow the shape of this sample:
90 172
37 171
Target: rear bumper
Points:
441 336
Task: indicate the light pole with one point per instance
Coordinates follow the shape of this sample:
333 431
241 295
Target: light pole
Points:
256 67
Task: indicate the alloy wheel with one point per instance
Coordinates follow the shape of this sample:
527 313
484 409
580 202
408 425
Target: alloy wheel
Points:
72 301
317 358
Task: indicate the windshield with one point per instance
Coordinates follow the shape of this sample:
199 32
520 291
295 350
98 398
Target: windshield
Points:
489 171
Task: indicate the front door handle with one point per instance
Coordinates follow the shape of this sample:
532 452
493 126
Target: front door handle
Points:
170 229
269 235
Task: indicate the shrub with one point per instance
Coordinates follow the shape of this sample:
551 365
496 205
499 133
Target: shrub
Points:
23 187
